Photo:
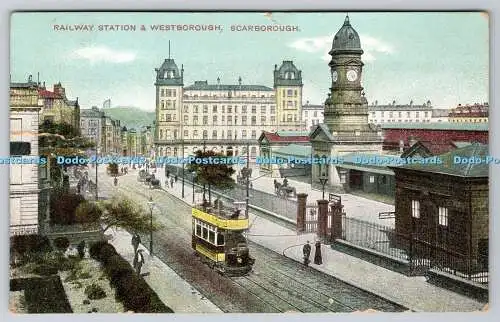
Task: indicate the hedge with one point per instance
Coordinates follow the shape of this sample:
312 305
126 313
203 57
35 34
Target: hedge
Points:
131 290
30 243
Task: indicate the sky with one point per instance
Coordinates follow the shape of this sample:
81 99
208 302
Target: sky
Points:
441 57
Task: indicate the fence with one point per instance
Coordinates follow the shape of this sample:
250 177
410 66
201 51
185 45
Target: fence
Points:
311 221
420 254
283 207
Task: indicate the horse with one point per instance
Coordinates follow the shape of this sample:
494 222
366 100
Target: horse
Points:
277 186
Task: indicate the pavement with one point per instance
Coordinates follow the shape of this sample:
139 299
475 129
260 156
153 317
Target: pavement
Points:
412 292
172 290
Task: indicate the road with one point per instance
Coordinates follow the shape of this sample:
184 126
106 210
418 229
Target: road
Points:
277 284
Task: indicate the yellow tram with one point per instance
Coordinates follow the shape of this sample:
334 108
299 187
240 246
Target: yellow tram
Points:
217 237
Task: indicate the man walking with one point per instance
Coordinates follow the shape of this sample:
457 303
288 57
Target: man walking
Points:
306 250
136 240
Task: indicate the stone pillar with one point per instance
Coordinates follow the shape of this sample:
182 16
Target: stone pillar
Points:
322 219
301 211
337 221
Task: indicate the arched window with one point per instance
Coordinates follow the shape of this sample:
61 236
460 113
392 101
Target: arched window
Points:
168 151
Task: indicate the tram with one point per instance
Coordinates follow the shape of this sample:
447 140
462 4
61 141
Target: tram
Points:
217 237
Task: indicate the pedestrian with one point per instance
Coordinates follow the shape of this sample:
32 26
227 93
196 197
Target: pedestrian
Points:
140 261
317 254
167 174
175 178
306 250
285 182
171 182
136 240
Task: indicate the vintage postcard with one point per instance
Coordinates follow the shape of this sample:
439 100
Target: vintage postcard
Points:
249 162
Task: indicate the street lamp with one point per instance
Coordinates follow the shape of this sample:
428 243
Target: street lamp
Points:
96 175
151 205
194 178
183 166
323 179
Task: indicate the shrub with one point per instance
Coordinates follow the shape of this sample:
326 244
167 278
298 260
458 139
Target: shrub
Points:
61 243
94 292
45 269
81 249
87 212
95 248
29 243
63 206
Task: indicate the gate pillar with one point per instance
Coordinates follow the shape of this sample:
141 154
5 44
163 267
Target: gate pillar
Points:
337 214
322 219
301 211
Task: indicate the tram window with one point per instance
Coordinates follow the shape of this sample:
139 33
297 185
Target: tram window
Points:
198 230
220 239
205 233
211 237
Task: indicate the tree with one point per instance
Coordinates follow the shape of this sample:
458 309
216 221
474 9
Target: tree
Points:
217 175
113 169
124 213
88 212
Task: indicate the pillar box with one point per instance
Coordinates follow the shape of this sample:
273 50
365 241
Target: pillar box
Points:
322 219
301 211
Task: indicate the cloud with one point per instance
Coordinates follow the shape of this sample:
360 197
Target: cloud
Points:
103 54
372 46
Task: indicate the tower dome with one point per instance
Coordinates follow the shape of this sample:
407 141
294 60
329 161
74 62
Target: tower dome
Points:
346 39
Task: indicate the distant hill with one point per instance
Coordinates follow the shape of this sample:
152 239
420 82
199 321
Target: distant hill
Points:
131 117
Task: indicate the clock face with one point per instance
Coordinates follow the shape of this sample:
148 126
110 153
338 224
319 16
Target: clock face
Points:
352 75
334 76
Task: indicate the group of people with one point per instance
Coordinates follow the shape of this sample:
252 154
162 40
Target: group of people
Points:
317 254
169 180
124 170
138 254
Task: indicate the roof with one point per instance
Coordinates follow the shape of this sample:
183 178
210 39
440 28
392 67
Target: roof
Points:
294 150
23 85
438 126
346 38
276 137
353 161
48 94
91 113
287 74
204 86
430 148
399 107
449 166
293 133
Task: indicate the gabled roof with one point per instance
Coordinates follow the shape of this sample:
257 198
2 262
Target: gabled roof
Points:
477 151
284 137
294 150
321 128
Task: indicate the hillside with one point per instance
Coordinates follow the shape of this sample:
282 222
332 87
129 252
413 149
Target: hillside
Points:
131 117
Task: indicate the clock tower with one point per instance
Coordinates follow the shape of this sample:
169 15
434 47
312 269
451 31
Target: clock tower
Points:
346 129
346 113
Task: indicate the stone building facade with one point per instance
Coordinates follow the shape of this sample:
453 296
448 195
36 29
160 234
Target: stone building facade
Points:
400 113
57 107
220 117
25 109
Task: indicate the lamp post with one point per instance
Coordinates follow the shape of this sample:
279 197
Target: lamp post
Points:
183 166
151 205
194 179
323 179
96 175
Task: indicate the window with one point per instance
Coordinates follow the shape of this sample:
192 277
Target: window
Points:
20 148
220 239
407 114
214 121
254 120
235 109
244 134
195 120
273 119
196 108
263 120
204 234
372 179
195 133
399 115
169 117
229 109
162 92
205 120
415 209
229 134
205 108
211 237
273 109
426 114
289 93
289 104
186 109
214 108
417 114
289 117
254 109
243 120
391 114
235 120
186 133
186 119
244 109
229 120
343 177
254 134
214 134
443 216
205 134
263 109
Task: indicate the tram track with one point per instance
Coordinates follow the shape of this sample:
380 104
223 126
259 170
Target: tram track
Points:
277 284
